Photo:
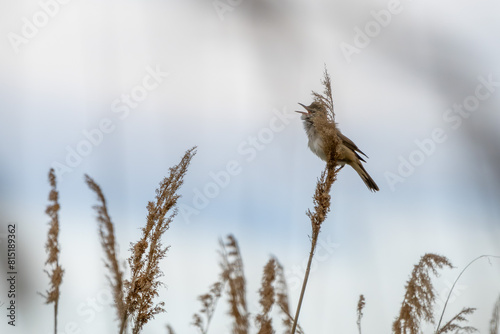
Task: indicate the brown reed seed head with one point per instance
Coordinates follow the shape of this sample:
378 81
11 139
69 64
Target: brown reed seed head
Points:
326 99
321 200
359 311
108 243
208 301
419 297
282 296
267 298
232 268
144 262
52 248
324 121
52 244
454 324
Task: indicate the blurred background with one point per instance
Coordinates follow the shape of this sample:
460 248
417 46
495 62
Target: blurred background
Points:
120 89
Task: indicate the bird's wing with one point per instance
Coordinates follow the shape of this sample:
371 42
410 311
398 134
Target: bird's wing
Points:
350 144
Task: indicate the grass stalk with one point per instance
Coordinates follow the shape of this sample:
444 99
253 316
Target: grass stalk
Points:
304 284
321 200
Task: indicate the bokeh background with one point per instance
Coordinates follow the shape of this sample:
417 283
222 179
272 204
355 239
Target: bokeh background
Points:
234 79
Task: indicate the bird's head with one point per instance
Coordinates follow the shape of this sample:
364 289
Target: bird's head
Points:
311 110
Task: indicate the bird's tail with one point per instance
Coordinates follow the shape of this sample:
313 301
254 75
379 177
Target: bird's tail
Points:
367 179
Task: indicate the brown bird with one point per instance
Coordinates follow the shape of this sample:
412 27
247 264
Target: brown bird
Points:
348 152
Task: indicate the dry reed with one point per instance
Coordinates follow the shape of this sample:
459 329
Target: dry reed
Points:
419 297
359 311
273 291
233 274
108 243
134 298
209 301
416 307
454 323
144 262
282 299
267 298
52 247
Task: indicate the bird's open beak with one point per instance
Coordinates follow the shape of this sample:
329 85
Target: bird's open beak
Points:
303 112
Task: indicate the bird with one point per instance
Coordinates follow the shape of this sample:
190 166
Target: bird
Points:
348 153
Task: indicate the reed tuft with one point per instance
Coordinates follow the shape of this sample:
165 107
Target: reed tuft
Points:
143 286
52 248
454 324
324 122
208 301
108 243
273 291
282 299
359 311
326 99
267 298
419 297
232 272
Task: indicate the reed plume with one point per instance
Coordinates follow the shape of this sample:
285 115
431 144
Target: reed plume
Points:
282 299
359 311
233 274
108 243
273 291
325 125
267 298
326 99
419 297
143 286
454 323
52 248
209 301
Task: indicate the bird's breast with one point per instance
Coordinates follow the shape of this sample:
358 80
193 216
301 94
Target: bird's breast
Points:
316 145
